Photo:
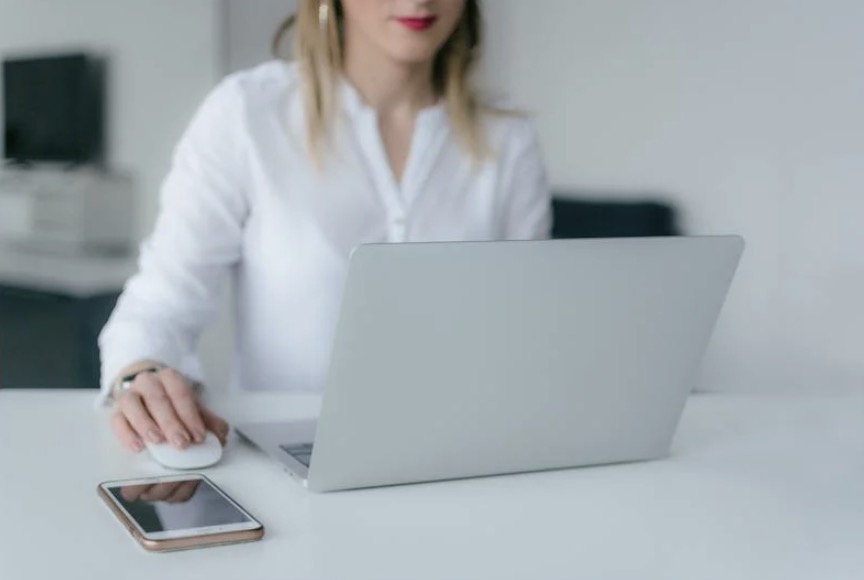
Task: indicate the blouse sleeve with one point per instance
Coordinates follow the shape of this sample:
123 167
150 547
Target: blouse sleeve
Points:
528 212
197 239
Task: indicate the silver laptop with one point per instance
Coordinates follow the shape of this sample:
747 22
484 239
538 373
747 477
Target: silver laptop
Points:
455 360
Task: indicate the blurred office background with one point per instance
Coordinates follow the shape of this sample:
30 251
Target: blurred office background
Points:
741 116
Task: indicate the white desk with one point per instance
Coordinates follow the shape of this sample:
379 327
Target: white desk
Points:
757 487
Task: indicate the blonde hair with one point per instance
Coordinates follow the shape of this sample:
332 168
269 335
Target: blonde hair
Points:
320 54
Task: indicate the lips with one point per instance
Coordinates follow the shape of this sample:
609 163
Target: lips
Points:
424 23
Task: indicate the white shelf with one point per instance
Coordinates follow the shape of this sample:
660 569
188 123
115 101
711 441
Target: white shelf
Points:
79 276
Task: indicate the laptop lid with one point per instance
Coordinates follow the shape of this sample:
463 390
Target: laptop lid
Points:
456 360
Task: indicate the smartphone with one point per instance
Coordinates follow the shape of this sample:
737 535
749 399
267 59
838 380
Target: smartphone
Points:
179 512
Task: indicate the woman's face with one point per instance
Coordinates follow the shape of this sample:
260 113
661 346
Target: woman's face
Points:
407 31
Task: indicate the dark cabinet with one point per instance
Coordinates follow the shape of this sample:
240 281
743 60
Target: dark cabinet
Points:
49 340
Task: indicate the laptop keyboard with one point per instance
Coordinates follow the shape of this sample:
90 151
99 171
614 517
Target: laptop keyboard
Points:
302 453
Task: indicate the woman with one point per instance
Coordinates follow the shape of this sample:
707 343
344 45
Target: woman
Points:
373 134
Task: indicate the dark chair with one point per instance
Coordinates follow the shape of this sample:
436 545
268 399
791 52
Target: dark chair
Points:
576 216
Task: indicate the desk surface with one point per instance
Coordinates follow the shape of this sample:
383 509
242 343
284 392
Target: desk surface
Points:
756 487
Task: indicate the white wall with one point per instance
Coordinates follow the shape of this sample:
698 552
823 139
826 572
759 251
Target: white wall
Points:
249 30
750 114
164 58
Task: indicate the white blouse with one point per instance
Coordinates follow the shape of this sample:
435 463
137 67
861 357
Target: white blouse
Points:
243 202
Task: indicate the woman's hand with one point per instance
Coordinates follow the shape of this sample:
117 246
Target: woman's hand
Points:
169 492
163 406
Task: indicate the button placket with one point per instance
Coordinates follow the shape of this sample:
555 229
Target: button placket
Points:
427 143
382 175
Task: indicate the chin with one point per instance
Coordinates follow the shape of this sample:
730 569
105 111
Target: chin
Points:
413 55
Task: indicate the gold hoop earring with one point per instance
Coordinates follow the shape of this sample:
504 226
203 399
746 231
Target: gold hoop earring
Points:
324 15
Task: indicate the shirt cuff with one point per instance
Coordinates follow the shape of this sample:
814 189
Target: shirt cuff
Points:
119 357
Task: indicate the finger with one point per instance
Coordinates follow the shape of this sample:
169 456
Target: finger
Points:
133 492
161 408
132 406
124 431
183 493
216 424
185 403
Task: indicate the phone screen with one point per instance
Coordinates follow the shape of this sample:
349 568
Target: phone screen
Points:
175 505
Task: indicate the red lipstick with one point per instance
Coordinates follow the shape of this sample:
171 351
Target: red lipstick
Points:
417 23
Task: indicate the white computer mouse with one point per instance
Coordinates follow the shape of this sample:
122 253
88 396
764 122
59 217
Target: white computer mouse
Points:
195 456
